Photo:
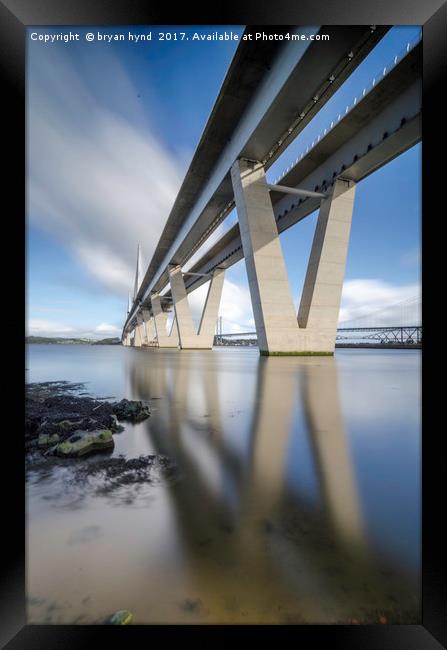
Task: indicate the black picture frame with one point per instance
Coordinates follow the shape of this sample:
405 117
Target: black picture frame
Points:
15 16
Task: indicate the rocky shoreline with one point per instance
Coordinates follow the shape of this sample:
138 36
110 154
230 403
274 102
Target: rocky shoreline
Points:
60 423
65 425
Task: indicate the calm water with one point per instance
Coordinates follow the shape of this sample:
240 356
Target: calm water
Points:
296 500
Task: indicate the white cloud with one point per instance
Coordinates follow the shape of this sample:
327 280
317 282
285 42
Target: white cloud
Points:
98 181
50 328
105 328
41 327
196 301
105 265
47 309
387 304
235 307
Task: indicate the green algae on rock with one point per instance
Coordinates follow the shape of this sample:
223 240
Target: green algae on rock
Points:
85 442
47 440
55 415
69 425
123 617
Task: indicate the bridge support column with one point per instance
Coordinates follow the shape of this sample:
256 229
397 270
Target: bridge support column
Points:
188 338
147 326
279 331
139 332
160 319
320 301
272 303
208 320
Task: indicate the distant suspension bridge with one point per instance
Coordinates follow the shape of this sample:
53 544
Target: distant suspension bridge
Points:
396 324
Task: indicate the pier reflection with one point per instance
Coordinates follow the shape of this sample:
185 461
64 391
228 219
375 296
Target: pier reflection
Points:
257 548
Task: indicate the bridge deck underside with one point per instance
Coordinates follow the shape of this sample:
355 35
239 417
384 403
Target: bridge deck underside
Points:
261 107
355 148
382 125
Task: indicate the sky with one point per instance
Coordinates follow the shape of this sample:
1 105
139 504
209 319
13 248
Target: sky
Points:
111 130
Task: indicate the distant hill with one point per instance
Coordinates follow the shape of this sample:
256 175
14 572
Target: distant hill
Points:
66 341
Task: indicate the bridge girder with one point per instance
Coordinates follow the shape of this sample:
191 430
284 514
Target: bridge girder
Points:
360 156
274 107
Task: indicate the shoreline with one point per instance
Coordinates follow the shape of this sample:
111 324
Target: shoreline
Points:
64 426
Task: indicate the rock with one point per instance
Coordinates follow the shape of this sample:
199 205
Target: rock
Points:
191 605
132 410
81 443
112 473
69 425
123 617
47 440
31 444
56 411
114 424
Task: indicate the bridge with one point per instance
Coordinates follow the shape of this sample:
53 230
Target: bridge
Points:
367 330
270 93
401 336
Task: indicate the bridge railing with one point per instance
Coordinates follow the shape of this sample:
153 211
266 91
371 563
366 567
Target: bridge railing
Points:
401 335
408 335
359 96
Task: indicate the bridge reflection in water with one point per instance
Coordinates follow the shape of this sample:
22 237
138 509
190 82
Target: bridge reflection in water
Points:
266 539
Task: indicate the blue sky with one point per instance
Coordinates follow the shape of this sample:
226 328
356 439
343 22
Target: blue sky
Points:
111 130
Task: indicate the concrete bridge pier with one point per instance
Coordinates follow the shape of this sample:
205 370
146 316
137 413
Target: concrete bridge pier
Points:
278 329
320 301
139 332
160 320
188 337
149 334
272 303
